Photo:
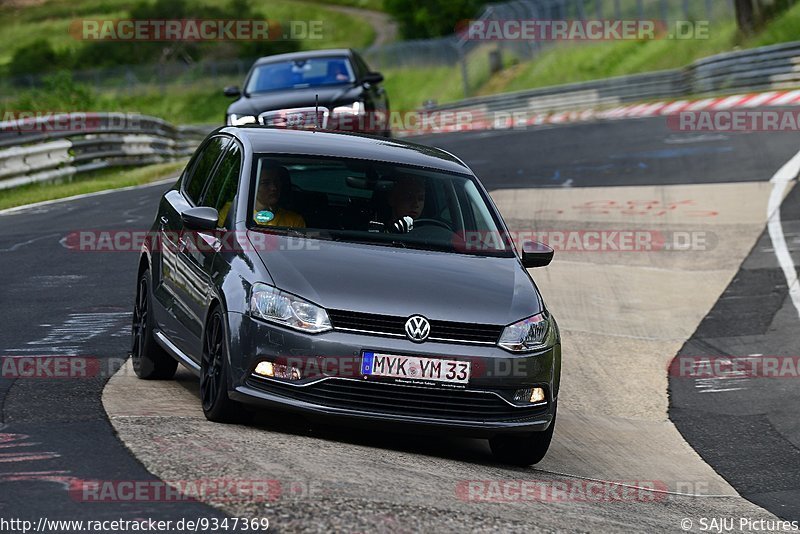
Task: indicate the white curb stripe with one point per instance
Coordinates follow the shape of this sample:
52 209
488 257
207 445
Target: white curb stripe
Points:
781 182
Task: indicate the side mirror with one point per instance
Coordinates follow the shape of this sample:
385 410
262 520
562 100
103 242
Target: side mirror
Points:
200 218
372 78
535 254
232 91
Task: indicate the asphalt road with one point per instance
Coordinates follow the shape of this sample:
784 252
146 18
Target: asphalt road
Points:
60 302
744 423
615 153
64 302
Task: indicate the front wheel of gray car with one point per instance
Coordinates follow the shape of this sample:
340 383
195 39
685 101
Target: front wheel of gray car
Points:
523 450
217 406
150 361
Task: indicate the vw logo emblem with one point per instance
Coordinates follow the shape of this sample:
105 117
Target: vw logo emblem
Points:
417 328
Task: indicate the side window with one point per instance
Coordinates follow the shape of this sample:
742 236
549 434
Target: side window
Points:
361 67
197 176
223 185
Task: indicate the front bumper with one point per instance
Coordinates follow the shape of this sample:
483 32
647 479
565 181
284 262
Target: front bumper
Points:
332 388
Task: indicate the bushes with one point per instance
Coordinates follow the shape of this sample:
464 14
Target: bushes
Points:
39 56
36 57
421 19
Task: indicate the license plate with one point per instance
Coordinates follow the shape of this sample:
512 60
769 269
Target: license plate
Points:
415 368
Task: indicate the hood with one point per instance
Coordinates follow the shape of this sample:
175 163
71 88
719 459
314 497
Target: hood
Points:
329 97
403 282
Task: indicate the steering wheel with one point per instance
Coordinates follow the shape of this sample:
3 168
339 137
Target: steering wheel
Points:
432 222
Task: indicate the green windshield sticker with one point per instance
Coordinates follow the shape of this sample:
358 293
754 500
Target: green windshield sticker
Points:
263 217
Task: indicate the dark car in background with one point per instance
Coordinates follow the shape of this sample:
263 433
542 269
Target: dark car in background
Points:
348 277
327 89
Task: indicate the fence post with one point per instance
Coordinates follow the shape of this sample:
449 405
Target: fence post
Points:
463 61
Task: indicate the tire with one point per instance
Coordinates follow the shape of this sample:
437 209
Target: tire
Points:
217 406
150 361
523 450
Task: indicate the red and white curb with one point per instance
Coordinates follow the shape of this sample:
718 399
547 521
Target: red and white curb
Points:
482 120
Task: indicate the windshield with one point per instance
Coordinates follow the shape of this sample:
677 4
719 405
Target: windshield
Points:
376 203
300 74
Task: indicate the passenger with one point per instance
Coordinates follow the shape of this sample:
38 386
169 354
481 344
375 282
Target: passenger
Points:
268 211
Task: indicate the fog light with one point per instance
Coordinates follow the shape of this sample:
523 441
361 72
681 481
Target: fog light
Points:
265 369
532 395
278 370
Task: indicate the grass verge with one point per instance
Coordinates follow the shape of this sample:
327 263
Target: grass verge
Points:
101 180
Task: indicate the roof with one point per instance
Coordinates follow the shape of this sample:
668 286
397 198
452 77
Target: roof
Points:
308 54
346 145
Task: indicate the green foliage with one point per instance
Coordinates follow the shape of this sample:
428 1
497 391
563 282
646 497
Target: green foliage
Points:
59 93
420 19
110 53
36 57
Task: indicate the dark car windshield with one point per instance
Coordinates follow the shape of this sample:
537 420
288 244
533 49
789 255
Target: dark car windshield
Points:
300 74
372 202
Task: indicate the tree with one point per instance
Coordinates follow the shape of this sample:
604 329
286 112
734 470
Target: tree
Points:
745 16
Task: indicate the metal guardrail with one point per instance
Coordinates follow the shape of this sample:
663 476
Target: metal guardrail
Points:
46 148
757 69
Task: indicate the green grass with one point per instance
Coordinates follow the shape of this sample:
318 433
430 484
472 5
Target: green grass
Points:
782 29
590 61
101 180
409 87
179 105
374 5
52 19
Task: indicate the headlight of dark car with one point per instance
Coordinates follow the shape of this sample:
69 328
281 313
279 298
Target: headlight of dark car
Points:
356 108
535 332
240 120
272 304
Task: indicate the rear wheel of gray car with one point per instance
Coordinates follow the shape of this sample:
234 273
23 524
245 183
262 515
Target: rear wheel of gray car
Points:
217 406
150 361
523 450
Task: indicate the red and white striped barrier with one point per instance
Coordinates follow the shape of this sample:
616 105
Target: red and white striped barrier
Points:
483 120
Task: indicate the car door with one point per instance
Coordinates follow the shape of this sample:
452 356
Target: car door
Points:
196 257
175 279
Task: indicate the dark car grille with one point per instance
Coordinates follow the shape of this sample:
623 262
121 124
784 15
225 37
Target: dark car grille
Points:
394 325
394 399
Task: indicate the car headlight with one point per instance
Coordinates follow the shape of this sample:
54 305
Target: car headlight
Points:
240 120
527 335
272 304
356 108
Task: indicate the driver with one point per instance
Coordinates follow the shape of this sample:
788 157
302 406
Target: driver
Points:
406 202
267 211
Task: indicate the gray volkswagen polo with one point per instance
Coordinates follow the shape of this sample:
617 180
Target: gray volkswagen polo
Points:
348 278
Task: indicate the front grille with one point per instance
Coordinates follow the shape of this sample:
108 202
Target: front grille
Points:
394 325
377 397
